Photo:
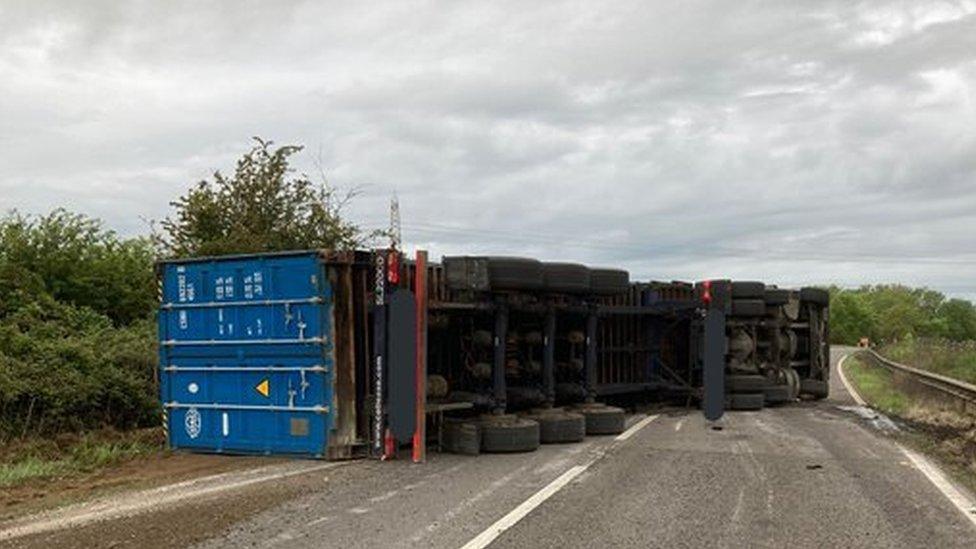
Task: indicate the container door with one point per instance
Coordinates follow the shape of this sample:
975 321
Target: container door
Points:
246 355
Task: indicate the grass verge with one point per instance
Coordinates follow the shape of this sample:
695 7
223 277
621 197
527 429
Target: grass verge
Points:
25 461
932 427
876 386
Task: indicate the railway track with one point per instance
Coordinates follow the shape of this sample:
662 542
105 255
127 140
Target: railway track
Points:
960 391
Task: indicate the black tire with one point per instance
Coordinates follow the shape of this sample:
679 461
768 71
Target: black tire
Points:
814 388
748 290
609 281
815 295
569 278
558 426
509 434
748 308
777 297
462 437
602 420
745 384
746 402
515 273
777 394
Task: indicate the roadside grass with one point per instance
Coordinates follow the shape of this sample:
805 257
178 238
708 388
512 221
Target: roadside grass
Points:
877 387
932 428
25 461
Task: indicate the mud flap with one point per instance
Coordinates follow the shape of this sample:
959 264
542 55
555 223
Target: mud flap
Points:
713 380
402 345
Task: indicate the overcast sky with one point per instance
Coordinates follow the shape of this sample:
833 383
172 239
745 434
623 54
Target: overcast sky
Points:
806 142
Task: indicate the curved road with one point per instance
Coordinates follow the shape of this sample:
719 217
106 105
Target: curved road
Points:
807 475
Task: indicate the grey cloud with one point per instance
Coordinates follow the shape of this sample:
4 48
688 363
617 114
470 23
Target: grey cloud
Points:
814 142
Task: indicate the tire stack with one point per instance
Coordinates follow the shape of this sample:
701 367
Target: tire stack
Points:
813 306
748 299
745 391
507 433
568 278
601 419
557 426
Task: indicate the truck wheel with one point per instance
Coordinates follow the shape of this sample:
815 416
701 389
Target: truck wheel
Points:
745 384
602 419
814 388
437 387
515 273
815 295
776 296
748 290
509 434
558 426
746 402
570 278
609 281
462 437
748 307
777 394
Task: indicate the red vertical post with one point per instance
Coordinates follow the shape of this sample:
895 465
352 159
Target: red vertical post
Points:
420 294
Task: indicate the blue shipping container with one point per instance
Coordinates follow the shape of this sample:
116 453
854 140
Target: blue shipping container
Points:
247 354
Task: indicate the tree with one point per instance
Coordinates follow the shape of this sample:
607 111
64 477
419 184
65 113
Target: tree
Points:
262 207
960 319
850 318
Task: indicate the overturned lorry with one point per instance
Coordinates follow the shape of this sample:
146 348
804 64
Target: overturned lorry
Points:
341 354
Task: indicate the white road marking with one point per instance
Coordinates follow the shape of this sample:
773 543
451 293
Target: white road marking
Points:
965 506
511 519
677 426
636 427
515 515
847 385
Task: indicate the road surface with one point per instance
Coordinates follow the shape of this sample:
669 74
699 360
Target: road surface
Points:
806 475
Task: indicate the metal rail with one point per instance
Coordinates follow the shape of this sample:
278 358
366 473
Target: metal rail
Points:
959 390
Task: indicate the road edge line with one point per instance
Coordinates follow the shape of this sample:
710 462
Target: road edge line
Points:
943 484
928 469
847 384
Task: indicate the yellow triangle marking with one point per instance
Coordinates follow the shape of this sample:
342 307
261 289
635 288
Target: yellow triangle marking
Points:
264 388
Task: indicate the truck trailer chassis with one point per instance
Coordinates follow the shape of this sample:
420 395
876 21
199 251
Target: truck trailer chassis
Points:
499 354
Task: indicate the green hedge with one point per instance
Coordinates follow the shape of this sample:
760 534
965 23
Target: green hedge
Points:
77 336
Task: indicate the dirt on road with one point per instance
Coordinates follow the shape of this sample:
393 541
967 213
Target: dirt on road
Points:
144 472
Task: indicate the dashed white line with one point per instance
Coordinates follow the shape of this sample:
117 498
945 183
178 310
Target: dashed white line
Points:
636 427
511 519
515 515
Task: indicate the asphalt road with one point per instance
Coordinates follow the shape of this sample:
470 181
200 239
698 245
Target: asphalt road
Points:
806 475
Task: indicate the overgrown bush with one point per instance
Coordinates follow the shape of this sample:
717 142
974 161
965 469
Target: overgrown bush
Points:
76 331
